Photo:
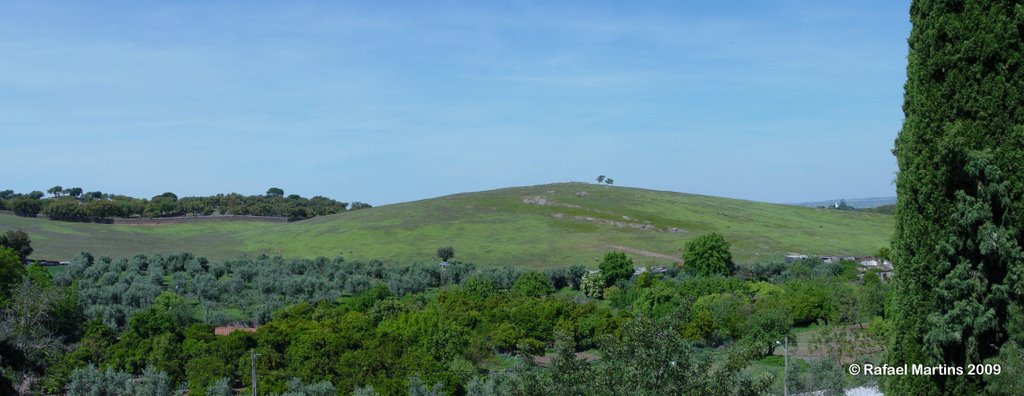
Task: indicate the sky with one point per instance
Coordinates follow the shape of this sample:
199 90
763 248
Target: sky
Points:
385 102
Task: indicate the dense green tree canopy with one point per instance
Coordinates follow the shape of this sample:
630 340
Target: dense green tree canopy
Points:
74 205
11 271
709 255
615 266
66 208
960 214
533 284
341 326
18 241
24 206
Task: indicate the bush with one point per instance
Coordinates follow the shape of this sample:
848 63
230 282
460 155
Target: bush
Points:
709 255
220 387
445 253
11 271
102 209
64 209
612 292
89 381
764 271
532 284
24 206
575 274
558 277
503 277
616 266
18 241
808 301
827 377
592 284
297 388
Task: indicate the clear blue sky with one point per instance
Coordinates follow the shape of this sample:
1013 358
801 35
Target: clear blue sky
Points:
383 102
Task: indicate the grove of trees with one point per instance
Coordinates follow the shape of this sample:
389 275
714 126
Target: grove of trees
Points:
335 326
74 205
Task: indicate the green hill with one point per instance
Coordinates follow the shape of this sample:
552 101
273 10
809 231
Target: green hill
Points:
537 227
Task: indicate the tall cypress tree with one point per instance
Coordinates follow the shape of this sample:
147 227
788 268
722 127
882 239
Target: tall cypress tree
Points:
960 213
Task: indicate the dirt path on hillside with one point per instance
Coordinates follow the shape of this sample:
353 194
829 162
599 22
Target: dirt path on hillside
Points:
648 254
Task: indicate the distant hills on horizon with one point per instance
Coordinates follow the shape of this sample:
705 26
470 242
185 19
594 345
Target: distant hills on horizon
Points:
542 226
859 203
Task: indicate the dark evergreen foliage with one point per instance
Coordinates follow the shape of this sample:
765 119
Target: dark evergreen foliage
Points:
960 210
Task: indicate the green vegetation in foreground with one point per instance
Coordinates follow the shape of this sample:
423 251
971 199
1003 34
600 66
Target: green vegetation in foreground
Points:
146 325
536 227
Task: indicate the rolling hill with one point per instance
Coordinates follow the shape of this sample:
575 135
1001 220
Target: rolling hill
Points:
535 227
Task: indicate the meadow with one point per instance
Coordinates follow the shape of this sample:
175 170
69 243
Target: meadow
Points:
536 227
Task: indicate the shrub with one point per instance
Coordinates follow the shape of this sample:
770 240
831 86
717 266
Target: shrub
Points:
18 241
445 253
592 284
24 206
532 284
616 266
709 255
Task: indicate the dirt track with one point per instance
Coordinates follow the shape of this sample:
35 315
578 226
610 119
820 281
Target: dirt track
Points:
648 254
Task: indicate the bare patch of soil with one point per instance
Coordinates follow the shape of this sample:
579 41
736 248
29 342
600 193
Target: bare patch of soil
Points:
648 253
620 224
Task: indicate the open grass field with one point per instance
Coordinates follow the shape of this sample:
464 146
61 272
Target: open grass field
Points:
533 227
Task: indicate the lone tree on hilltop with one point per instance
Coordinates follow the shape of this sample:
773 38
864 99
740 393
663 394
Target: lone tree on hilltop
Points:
600 179
708 255
609 181
56 191
958 289
446 253
274 191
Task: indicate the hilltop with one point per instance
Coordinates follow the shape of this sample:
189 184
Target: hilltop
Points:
536 227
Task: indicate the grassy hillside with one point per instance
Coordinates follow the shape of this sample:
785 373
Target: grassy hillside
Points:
538 226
